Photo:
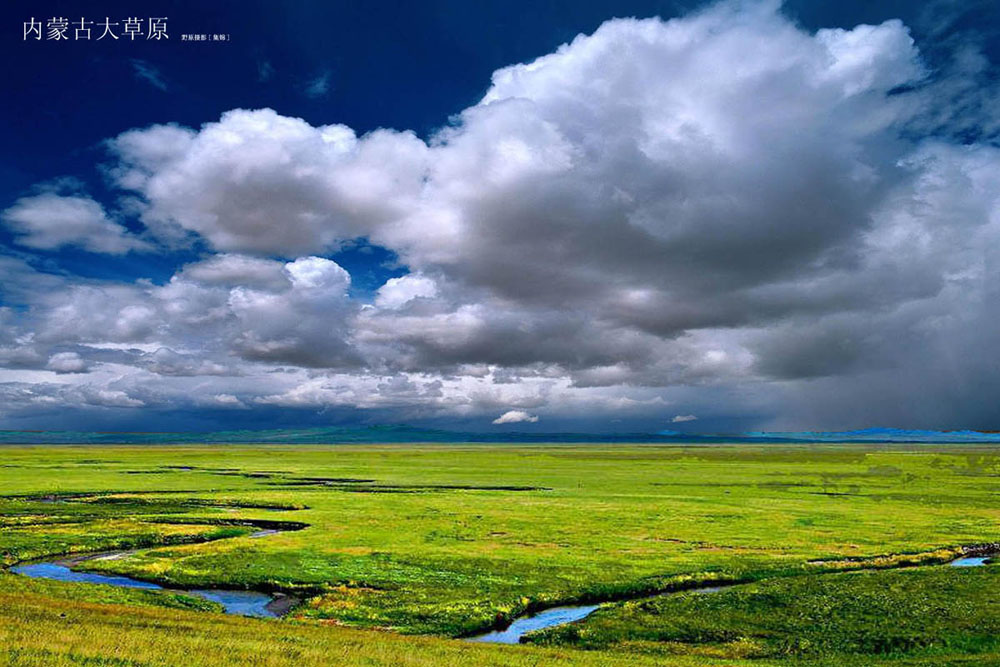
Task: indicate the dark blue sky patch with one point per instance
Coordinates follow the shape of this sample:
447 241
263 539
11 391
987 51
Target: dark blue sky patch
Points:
369 265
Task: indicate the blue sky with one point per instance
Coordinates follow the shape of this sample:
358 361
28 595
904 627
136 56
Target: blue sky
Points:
756 215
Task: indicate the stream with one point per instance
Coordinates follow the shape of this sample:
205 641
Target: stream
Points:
244 603
544 619
554 616
241 603
254 603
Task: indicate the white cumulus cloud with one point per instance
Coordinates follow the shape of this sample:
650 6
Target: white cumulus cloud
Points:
722 209
49 221
515 416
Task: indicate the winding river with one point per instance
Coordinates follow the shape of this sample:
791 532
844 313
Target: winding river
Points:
255 603
549 618
554 616
242 603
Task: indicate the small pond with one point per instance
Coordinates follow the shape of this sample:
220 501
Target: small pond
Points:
970 561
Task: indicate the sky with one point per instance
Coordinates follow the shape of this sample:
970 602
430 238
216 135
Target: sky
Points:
628 216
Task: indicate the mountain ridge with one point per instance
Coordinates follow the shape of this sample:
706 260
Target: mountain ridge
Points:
401 433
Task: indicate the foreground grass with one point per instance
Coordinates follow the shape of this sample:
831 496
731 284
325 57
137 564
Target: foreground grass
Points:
65 593
451 539
37 629
918 617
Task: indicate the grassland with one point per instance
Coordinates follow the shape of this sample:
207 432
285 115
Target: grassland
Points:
450 539
932 613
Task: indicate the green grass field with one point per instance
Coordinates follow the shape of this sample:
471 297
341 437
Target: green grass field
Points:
446 540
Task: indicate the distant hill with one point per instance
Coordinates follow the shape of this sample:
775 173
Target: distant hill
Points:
336 435
404 434
883 435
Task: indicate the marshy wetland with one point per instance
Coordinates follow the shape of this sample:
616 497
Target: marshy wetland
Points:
397 554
